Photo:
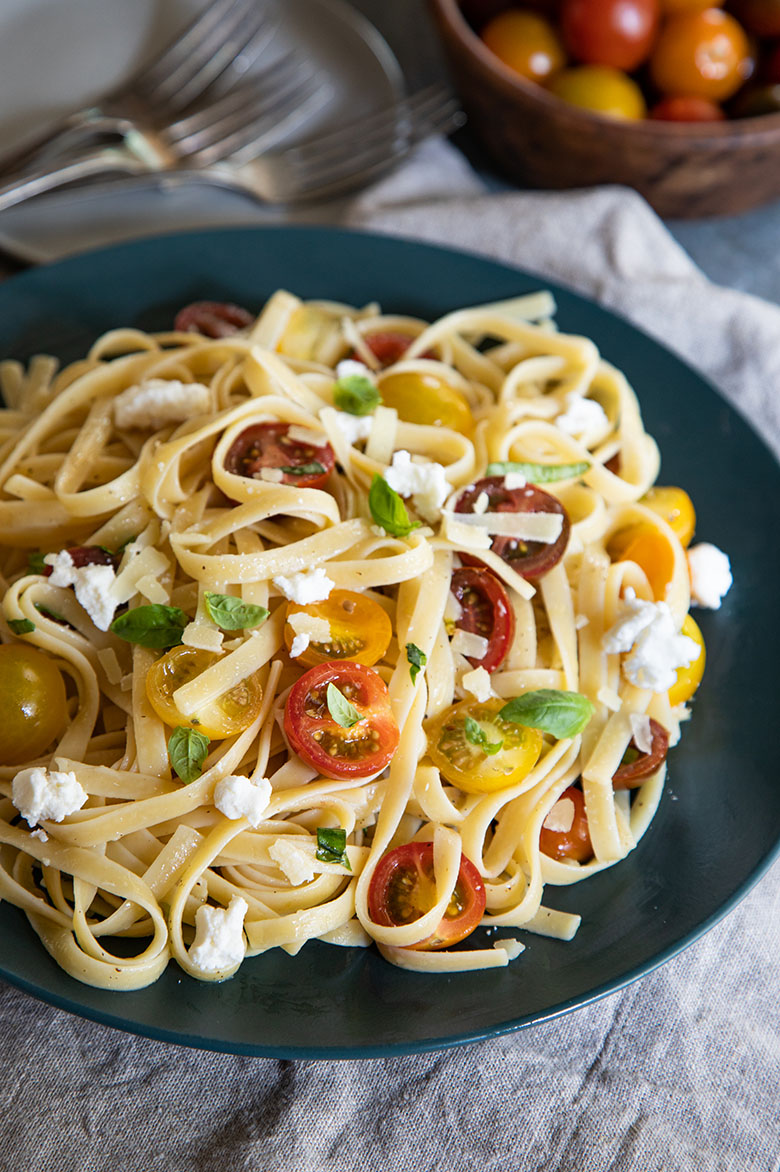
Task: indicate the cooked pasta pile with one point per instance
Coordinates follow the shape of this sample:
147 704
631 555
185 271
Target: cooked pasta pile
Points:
204 548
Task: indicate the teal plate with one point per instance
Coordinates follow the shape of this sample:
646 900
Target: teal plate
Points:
717 829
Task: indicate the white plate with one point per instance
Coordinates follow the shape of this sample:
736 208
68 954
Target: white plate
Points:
60 56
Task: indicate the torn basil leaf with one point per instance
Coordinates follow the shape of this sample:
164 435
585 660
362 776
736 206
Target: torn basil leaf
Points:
416 658
356 394
21 626
475 735
332 846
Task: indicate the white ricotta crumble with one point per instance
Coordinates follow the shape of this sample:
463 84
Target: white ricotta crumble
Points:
92 586
647 631
481 504
39 794
41 835
299 645
582 416
237 796
158 402
353 427
305 587
296 864
561 817
710 572
219 936
351 368
426 484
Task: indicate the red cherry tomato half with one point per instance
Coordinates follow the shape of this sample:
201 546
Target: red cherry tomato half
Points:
87 555
267 445
403 888
761 17
636 766
687 110
486 611
573 843
532 559
618 33
360 751
389 346
214 319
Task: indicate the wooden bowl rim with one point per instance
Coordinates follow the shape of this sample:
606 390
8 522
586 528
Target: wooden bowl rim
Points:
752 132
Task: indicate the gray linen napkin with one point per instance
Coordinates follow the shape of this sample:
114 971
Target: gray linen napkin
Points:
678 1073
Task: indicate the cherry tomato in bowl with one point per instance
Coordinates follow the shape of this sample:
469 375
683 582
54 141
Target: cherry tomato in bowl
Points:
532 559
403 888
270 446
761 17
213 319
360 750
682 109
33 708
360 629
486 611
617 33
701 54
602 90
573 843
638 765
526 43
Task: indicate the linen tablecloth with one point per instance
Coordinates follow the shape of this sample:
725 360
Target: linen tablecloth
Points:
680 1072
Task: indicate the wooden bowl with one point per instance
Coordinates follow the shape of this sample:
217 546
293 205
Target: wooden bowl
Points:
682 169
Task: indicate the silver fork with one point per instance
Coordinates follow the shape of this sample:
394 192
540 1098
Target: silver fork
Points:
213 51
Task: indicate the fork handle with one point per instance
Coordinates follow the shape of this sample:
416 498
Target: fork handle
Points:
106 161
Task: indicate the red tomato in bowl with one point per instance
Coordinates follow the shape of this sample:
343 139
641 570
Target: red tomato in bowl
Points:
362 750
682 109
486 611
268 445
618 33
403 888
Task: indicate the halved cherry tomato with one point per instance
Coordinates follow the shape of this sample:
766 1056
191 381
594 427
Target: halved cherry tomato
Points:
468 765
761 17
86 555
683 109
486 611
33 709
526 43
650 550
569 844
389 346
360 751
618 33
675 507
689 678
213 319
602 90
360 629
425 398
701 54
229 714
403 888
532 559
267 445
636 765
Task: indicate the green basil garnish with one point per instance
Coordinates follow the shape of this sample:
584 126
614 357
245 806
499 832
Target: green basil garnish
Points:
312 469
356 394
233 614
388 509
539 473
416 658
332 846
187 750
476 736
153 626
21 626
561 714
339 707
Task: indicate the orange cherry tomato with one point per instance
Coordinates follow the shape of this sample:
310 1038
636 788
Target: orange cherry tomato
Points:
617 33
683 109
403 888
600 89
360 629
650 550
675 507
689 678
573 843
526 43
33 709
701 54
761 17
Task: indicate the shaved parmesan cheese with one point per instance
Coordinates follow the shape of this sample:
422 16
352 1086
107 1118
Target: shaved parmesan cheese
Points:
481 503
202 636
510 946
463 536
381 442
561 816
468 644
514 480
477 682
452 609
316 628
272 475
304 435
141 563
580 621
610 699
545 527
640 727
152 590
296 864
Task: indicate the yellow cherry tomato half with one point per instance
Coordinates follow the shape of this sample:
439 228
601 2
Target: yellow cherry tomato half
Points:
526 43
650 550
675 507
455 743
360 629
600 89
689 678
33 709
425 398
225 716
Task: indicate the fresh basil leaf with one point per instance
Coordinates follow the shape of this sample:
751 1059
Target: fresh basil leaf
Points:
187 750
312 469
356 394
154 626
339 707
561 714
21 626
388 509
233 614
416 658
476 736
51 614
35 563
332 846
539 473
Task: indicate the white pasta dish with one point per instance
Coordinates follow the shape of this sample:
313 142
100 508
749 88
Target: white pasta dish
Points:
330 624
